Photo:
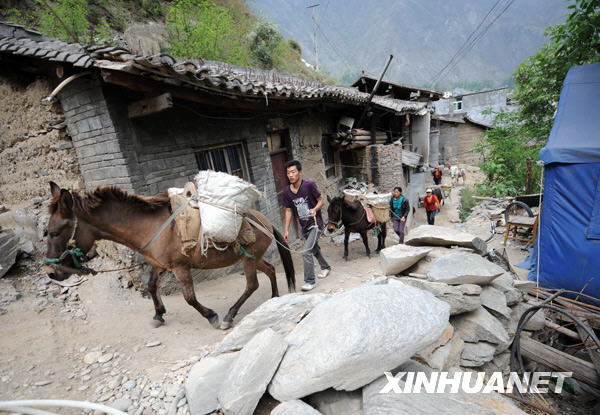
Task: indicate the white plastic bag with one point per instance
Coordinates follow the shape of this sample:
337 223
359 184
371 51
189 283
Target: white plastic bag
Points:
223 199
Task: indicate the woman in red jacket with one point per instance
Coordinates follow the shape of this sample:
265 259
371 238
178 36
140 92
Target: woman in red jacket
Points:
432 206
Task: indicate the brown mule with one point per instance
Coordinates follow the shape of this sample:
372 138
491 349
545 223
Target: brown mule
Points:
110 213
354 218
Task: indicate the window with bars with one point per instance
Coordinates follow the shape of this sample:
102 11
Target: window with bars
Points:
227 159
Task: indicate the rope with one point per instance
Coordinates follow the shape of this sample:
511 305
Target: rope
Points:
164 225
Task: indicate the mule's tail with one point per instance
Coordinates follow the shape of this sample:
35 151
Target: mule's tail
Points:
286 258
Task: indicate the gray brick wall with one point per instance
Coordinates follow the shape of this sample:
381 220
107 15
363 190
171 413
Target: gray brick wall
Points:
100 155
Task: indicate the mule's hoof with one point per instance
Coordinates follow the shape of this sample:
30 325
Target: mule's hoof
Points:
155 323
225 325
214 320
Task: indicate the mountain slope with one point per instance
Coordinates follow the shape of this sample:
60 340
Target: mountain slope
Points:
422 35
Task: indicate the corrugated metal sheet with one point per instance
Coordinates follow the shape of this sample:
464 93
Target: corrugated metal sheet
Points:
209 75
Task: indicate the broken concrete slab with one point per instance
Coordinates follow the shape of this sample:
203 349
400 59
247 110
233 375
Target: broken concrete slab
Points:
9 248
332 402
461 298
397 258
251 372
383 326
204 382
477 354
438 235
495 302
295 407
480 325
280 314
463 268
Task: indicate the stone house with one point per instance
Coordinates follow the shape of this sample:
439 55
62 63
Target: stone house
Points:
457 139
146 123
462 118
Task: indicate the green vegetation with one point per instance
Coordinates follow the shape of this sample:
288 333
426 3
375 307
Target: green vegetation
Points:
223 30
538 81
467 203
201 29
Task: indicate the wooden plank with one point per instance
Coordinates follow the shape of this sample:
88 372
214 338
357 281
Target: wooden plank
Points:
560 361
590 346
149 106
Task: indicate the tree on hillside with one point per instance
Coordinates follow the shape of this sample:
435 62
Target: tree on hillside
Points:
538 84
201 29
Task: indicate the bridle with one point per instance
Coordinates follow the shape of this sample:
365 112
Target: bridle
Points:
76 253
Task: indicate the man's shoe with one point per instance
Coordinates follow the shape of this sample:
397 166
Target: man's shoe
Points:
324 273
308 287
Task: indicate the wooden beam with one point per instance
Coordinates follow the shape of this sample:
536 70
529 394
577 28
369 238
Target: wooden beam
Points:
590 346
560 361
206 96
149 106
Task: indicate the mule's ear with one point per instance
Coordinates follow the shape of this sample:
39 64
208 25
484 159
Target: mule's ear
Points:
65 201
328 199
54 189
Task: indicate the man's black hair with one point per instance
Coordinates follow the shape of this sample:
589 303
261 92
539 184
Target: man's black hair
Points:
293 163
398 188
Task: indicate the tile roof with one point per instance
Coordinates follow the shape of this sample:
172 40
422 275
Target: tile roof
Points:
210 75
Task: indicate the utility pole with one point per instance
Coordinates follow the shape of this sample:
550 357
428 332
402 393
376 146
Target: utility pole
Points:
315 33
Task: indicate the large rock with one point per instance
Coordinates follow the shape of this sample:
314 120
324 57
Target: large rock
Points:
436 354
24 227
438 235
537 322
397 258
505 283
375 403
332 402
464 268
495 302
480 325
391 403
295 407
461 298
9 247
250 374
281 314
348 340
204 382
477 354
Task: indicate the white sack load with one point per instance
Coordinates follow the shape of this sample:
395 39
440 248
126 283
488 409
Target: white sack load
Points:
222 199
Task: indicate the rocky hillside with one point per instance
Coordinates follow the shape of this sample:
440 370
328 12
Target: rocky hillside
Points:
423 36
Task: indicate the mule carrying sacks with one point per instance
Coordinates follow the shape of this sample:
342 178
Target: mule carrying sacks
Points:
223 199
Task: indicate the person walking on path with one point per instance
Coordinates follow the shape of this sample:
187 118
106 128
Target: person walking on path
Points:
303 200
400 209
432 206
437 175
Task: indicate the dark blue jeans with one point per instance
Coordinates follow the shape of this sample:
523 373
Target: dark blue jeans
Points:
431 216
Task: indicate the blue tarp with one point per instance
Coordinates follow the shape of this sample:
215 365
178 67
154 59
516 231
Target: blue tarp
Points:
568 240
575 135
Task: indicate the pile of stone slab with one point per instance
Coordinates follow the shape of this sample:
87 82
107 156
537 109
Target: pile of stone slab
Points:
328 354
18 236
485 300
